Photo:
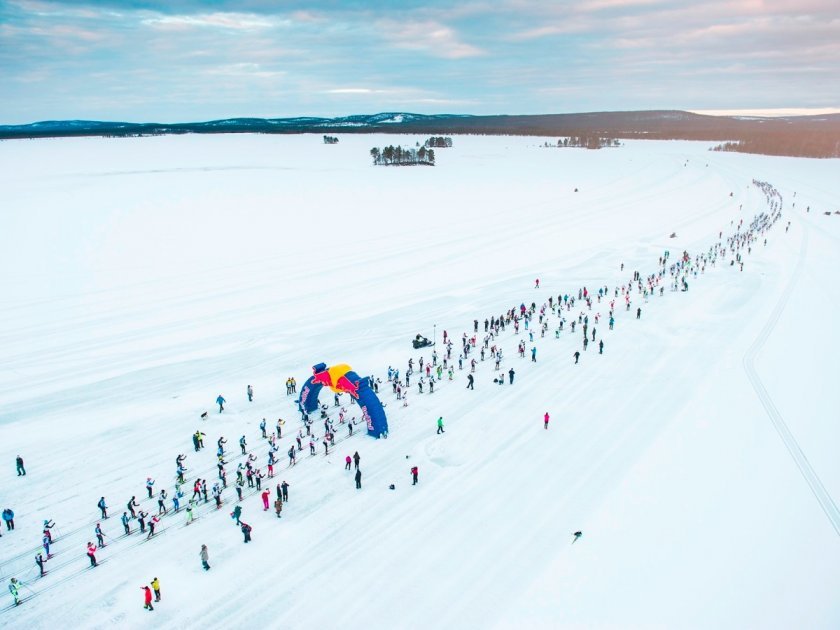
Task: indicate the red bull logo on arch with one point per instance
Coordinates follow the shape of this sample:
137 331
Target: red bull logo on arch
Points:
343 380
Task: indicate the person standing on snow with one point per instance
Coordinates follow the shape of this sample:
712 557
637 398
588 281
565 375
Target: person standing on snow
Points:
147 598
358 479
131 505
21 471
100 539
440 425
125 520
156 589
221 402
264 496
278 506
577 356
639 313
246 531
149 483
414 474
250 392
510 375
601 347
205 557
534 354
102 507
470 381
285 488
39 560
347 461
545 420
242 444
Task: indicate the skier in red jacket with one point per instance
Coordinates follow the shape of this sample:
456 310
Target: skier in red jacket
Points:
91 553
147 597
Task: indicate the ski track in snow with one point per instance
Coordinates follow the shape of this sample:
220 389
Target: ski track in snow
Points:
800 459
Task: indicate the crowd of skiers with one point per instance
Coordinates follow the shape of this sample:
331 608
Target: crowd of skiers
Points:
567 311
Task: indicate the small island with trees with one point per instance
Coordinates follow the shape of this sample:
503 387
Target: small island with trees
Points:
585 142
438 142
330 140
399 156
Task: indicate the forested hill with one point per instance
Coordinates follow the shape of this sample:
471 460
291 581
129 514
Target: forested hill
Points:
807 136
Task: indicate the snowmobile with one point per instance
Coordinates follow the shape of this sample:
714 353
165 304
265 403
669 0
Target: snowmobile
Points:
420 342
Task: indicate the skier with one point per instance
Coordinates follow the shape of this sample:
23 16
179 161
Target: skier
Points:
189 511
440 426
45 541
358 479
414 474
131 505
141 518
21 471
14 590
242 444
545 420
149 483
246 531
250 392
91 553
125 520
205 558
470 381
100 540
147 598
262 428
103 508
39 560
152 523
161 504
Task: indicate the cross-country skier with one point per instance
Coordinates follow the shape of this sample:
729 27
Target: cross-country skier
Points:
100 539
14 590
91 553
39 560
242 444
125 521
131 505
149 483
102 507
152 523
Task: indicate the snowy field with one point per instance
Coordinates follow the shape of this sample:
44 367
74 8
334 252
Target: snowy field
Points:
698 455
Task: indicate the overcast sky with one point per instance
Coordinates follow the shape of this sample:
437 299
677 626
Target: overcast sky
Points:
199 60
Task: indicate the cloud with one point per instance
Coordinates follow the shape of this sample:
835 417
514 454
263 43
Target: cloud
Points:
234 21
430 37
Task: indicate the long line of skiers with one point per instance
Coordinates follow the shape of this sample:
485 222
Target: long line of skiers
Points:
567 311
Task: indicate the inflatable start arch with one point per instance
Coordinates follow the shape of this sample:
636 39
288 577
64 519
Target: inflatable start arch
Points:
342 380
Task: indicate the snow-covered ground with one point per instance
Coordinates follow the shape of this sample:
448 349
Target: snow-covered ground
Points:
143 277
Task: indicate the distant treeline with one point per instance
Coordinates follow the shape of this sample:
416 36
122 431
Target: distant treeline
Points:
586 142
398 156
796 144
809 136
438 142
330 140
